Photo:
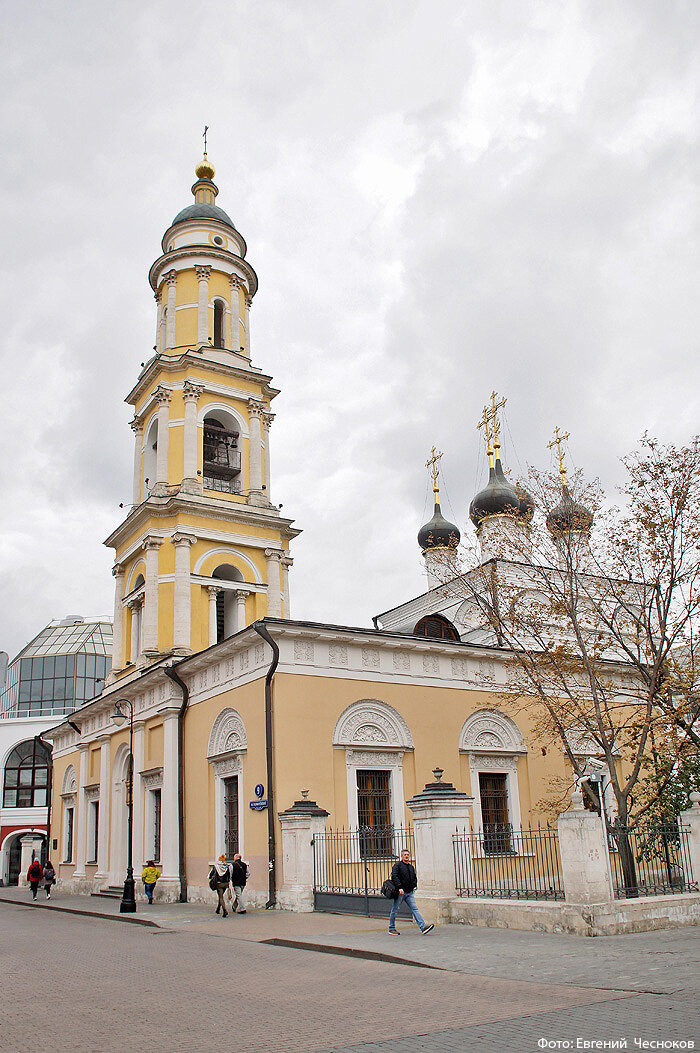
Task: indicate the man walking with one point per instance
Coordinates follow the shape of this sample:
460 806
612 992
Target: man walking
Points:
219 881
403 875
239 876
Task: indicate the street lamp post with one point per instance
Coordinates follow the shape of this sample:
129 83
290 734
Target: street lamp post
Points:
128 901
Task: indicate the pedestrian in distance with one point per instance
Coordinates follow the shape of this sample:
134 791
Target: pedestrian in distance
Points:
403 875
149 876
49 878
219 881
239 875
34 875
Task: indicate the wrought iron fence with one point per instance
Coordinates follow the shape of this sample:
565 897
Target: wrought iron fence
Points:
503 862
350 866
649 859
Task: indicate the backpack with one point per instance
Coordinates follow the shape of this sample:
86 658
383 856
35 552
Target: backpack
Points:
213 879
389 889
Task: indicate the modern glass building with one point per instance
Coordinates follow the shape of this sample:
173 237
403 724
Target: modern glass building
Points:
60 669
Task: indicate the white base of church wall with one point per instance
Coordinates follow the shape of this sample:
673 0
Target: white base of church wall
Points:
255 899
584 919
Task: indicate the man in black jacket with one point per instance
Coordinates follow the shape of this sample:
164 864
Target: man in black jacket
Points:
239 876
403 874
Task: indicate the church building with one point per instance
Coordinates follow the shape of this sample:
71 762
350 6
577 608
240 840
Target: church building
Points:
239 711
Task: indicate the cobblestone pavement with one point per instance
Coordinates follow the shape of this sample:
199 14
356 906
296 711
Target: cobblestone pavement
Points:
490 989
88 985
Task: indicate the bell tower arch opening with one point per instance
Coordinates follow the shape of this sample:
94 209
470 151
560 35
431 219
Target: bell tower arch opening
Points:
219 317
226 602
222 454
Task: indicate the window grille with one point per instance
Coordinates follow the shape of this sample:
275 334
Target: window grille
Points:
231 816
374 812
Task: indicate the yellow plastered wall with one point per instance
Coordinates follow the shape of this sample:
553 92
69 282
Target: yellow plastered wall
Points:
249 702
154 744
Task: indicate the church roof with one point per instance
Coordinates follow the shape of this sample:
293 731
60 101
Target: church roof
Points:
203 211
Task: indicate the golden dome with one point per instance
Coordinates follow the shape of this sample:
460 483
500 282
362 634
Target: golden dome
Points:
205 169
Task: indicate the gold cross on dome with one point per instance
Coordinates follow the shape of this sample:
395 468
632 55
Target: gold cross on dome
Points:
557 441
432 464
204 136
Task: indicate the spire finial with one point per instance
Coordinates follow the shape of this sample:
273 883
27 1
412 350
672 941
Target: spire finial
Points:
495 406
432 464
205 169
489 421
557 441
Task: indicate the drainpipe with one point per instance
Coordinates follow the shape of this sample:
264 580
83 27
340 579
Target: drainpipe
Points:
49 784
262 631
172 675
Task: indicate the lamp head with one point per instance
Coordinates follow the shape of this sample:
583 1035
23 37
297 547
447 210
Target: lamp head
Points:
119 716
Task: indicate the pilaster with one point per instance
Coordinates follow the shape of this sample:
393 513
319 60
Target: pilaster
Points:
81 842
170 833
691 819
138 797
255 413
286 562
213 591
236 341
118 627
103 819
191 394
248 305
162 396
137 428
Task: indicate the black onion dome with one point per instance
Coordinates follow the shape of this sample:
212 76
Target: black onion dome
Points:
497 498
568 515
201 210
438 533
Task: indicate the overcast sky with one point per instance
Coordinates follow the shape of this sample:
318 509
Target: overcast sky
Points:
439 198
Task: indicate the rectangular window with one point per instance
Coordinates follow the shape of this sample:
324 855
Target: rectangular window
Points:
374 813
231 816
156 824
69 836
493 796
94 831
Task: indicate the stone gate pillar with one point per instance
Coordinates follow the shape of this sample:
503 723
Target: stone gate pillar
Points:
691 819
300 824
584 855
438 812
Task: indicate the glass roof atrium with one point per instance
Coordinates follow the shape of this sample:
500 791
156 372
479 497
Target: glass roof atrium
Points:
59 670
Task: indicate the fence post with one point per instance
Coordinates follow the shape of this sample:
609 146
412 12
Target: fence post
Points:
691 819
438 811
584 855
300 824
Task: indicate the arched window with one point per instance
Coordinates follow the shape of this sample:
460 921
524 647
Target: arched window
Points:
219 309
226 603
26 776
437 627
150 456
222 457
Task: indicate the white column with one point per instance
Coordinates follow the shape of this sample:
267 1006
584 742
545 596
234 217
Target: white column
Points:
274 595
149 626
248 305
255 412
286 562
118 627
162 396
213 593
182 606
135 606
240 609
267 423
138 799
137 428
203 304
236 341
103 818
170 835
81 844
191 393
171 278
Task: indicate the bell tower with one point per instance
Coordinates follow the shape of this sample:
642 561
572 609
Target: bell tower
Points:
203 551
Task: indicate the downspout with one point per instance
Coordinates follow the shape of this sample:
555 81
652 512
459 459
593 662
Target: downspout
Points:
172 675
271 848
49 786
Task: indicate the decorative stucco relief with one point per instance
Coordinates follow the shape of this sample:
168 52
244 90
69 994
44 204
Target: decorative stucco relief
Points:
370 722
491 732
227 734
